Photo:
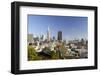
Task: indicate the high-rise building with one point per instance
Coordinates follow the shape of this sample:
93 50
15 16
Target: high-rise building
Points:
48 34
59 35
53 38
42 37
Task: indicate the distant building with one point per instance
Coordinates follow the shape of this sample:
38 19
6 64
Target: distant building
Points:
74 41
48 34
53 38
59 35
30 38
44 37
41 37
73 45
36 39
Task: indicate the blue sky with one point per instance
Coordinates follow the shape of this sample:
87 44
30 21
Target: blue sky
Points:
72 27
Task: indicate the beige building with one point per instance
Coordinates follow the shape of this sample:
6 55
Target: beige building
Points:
30 38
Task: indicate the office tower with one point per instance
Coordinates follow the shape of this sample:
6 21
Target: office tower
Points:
48 34
59 35
53 38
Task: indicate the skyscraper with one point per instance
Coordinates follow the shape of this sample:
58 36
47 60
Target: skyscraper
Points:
59 35
48 34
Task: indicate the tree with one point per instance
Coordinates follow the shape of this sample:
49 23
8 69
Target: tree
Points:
32 55
55 55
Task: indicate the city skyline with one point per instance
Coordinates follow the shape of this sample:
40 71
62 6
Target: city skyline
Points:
72 27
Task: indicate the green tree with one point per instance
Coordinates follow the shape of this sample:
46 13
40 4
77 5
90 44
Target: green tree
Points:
55 55
32 55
